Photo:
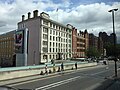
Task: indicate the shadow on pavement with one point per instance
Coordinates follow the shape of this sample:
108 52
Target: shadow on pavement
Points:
109 84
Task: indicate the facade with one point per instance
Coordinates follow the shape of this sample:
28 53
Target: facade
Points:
86 35
107 39
7 49
47 39
96 42
100 46
93 41
79 43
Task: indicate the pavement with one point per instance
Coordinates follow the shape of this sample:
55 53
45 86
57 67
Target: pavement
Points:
111 83
116 84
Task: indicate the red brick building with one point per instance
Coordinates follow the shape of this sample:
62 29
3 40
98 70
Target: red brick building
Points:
80 42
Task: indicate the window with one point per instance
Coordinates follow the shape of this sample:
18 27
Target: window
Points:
53 56
53 32
56 44
64 40
50 43
50 49
69 36
64 29
56 33
53 44
56 27
44 42
45 22
50 56
50 24
44 36
56 38
53 49
53 38
45 30
59 39
69 41
66 35
50 37
59 33
53 26
59 28
45 49
69 45
69 50
50 31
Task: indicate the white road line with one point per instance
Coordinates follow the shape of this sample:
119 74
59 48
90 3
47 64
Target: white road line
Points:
118 69
57 83
92 87
100 72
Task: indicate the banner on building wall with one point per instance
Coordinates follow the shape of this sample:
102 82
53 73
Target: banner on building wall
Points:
19 41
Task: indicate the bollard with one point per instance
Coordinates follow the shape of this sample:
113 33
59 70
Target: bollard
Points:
41 73
50 71
76 65
54 68
58 69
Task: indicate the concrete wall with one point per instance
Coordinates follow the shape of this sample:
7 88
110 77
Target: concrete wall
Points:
33 26
28 72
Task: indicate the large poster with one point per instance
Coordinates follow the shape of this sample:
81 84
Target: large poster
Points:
19 41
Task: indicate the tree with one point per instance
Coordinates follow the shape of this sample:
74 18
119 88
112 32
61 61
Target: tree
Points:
92 52
111 50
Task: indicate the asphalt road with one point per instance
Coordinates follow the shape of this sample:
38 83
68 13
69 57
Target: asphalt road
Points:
92 78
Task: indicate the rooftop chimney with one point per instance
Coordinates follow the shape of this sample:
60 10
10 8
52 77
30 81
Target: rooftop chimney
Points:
23 17
29 15
35 13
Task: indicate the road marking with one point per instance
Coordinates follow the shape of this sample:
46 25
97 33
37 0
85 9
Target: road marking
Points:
93 86
57 83
59 74
118 69
56 75
100 72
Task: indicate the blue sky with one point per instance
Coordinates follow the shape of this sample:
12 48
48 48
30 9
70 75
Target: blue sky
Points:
82 14
73 1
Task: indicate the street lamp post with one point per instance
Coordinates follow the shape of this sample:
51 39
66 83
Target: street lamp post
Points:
114 40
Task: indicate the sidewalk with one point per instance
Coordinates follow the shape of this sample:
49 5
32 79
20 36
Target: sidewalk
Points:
116 84
23 79
110 84
37 76
30 78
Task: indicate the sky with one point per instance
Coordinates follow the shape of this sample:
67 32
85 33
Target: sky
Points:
92 15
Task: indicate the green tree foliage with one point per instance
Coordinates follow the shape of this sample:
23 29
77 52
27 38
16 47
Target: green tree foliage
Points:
111 50
92 52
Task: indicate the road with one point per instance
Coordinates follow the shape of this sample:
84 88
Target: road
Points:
92 78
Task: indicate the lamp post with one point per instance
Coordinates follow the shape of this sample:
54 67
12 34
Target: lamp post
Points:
114 40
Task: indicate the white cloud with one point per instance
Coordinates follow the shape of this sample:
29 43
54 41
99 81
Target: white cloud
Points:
95 17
